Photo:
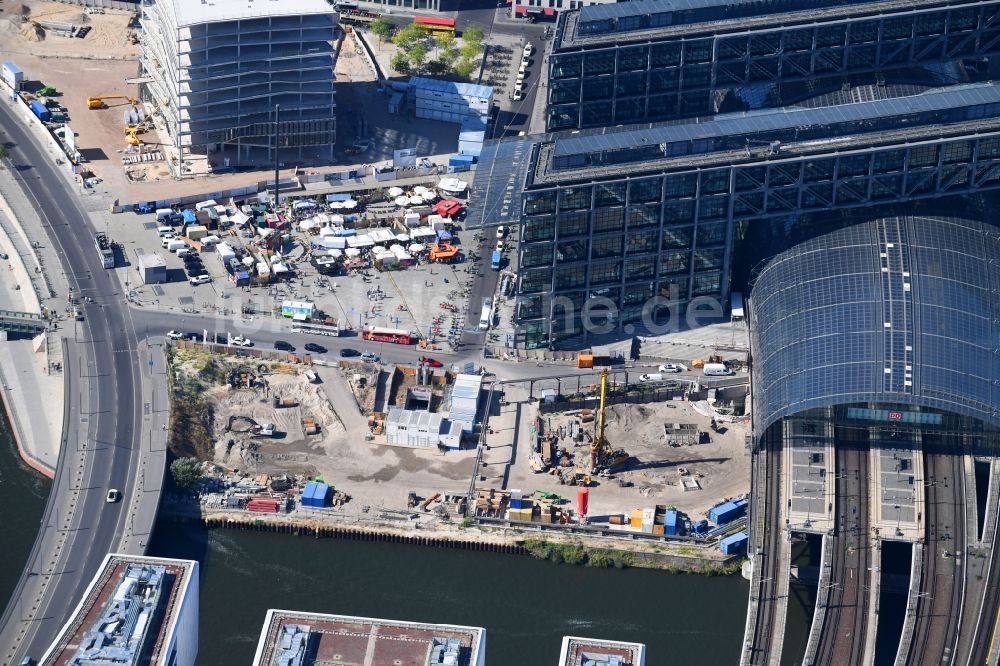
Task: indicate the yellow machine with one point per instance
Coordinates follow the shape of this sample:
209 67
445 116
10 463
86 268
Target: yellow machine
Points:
98 101
602 456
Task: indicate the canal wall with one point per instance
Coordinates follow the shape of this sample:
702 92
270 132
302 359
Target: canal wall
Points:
704 559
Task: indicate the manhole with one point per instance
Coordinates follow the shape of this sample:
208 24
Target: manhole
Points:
149 225
158 290
185 300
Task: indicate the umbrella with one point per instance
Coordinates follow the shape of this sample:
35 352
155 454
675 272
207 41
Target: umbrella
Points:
395 191
403 238
352 252
349 204
416 201
336 205
420 190
415 248
402 201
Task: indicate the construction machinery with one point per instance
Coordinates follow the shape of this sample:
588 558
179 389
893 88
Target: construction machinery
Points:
99 101
602 455
132 135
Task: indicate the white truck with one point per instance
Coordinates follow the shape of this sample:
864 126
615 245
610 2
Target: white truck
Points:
717 370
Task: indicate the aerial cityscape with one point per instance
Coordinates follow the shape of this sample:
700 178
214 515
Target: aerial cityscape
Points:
352 333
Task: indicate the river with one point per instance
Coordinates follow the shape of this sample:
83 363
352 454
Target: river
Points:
526 605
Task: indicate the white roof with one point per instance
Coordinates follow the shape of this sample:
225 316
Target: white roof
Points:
189 12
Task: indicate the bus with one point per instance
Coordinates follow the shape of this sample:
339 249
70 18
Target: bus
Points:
486 318
316 329
439 27
393 335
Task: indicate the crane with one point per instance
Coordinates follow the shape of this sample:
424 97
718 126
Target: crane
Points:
602 456
97 102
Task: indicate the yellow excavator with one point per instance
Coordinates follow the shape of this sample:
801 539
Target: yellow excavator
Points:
99 101
602 456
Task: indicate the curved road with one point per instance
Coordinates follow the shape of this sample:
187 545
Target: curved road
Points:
102 431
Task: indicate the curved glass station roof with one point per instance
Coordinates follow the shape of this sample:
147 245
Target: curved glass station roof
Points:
900 310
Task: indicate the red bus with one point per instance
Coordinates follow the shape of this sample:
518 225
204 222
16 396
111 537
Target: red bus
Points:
393 335
437 26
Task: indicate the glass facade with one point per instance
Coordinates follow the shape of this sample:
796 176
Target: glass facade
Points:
601 79
670 234
896 311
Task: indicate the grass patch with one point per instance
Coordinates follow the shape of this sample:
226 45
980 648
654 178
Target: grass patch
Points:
564 553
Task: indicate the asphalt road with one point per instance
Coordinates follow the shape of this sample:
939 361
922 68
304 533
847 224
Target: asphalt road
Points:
105 348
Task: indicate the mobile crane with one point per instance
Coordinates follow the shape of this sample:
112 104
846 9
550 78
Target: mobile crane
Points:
602 456
98 101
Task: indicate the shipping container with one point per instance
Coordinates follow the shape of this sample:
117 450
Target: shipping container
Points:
40 110
734 544
700 527
727 512
670 523
635 518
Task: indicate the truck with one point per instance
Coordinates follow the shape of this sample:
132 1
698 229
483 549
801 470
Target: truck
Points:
495 260
104 248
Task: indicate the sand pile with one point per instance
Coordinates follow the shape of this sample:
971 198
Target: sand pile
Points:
32 32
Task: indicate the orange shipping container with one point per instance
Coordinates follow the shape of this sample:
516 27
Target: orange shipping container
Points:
585 360
635 518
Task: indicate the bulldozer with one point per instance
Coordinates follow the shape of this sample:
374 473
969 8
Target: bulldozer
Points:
100 101
603 457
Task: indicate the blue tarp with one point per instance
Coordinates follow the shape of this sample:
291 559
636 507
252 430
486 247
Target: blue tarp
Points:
189 216
346 232
442 234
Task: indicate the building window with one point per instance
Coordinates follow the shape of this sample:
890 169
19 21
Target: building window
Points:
630 110
608 246
609 194
609 219
596 113
645 190
675 262
598 62
574 250
715 182
598 88
664 79
640 268
606 273
665 55
708 259
643 241
679 237
678 212
564 91
706 285
536 280
571 276
536 254
630 84
713 207
572 224
712 233
632 59
698 51
566 66
574 198
540 228
644 216
539 202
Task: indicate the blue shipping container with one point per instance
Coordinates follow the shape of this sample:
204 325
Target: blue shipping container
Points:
40 110
515 503
734 543
307 494
724 513
320 494
700 527
461 160
670 523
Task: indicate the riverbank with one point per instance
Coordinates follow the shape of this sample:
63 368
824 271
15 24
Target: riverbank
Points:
597 552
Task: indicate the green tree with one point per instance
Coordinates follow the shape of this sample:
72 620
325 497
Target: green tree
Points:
464 68
186 472
411 34
437 67
382 28
445 43
473 35
417 54
469 50
400 63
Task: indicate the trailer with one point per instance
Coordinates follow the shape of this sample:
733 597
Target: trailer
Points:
105 249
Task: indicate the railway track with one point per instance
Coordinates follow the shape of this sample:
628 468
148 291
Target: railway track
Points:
767 590
843 638
940 605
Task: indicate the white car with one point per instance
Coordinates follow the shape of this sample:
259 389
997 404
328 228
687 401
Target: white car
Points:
199 279
240 341
670 367
369 356
528 48
113 496
175 335
501 231
518 95
499 246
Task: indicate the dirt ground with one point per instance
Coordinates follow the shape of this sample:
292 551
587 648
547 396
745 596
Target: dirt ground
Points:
107 39
721 467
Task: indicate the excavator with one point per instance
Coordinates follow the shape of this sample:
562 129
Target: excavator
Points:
98 101
602 456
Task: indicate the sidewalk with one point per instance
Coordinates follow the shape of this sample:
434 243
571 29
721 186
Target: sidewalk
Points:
34 401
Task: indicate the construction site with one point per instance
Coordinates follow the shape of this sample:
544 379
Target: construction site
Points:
623 466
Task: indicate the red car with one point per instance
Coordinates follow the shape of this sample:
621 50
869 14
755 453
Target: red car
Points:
434 363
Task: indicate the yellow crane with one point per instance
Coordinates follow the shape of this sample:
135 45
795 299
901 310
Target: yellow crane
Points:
98 101
602 455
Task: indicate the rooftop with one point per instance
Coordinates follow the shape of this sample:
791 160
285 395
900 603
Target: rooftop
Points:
291 638
193 12
641 20
471 90
127 614
596 652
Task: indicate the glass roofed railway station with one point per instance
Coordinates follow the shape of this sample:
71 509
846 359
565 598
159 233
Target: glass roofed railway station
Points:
633 216
654 60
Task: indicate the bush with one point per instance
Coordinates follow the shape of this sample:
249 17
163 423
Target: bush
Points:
465 68
382 28
400 63
186 473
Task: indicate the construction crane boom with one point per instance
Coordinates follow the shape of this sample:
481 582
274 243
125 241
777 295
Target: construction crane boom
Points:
602 455
98 101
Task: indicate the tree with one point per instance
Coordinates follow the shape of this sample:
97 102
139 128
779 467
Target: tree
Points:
437 67
4 153
473 35
445 43
417 54
381 28
464 68
400 63
186 472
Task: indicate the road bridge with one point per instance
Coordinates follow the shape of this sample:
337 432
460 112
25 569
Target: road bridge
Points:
12 321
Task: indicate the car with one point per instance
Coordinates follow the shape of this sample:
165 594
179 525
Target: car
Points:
528 49
113 496
434 363
3 255
358 147
369 356
193 336
315 348
240 341
196 272
191 260
283 346
348 353
175 335
501 231
199 279
518 96
499 246
670 367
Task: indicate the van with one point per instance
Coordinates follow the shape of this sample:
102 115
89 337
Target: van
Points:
210 203
654 377
163 214
717 370
525 60
184 251
166 240
519 86
175 245
163 231
209 241
522 70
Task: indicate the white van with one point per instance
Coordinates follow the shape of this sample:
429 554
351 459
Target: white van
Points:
163 214
167 240
209 241
717 370
651 378
184 251
163 231
175 245
210 203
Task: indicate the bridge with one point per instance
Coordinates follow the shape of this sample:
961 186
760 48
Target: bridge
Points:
12 321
